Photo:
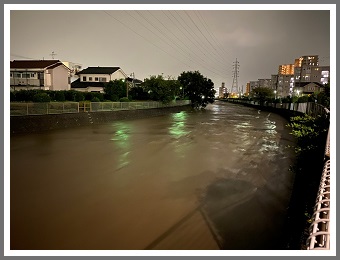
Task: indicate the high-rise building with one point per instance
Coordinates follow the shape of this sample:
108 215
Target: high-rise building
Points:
286 69
247 88
311 60
222 91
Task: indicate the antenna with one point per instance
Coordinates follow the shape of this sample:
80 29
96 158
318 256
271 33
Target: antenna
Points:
53 54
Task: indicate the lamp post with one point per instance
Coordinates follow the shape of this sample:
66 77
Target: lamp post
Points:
275 94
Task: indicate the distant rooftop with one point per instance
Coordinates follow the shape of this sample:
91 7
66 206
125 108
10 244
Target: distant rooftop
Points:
34 64
99 70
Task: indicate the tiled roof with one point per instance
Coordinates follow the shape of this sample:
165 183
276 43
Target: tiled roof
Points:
57 65
33 64
81 84
306 83
99 70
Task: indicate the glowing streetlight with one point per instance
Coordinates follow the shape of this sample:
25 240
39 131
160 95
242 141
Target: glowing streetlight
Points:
275 93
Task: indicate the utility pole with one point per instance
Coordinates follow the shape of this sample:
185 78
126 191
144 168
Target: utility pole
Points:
234 87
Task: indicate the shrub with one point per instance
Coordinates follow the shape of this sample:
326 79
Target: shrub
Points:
124 99
59 96
303 99
79 96
95 99
41 97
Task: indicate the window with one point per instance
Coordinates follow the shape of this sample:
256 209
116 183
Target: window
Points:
17 75
84 78
26 75
32 75
11 75
90 78
102 79
96 79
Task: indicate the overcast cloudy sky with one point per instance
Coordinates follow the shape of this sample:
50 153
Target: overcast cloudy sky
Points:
154 42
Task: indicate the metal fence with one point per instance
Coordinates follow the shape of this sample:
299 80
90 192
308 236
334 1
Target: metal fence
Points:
310 108
23 109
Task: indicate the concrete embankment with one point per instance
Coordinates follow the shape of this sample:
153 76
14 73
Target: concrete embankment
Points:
40 123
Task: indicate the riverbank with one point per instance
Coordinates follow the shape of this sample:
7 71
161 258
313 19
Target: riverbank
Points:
41 123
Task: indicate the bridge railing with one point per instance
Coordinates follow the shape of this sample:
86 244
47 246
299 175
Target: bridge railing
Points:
319 230
48 108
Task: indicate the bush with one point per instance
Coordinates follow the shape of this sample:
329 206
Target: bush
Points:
12 98
124 99
95 99
41 97
303 99
79 96
59 96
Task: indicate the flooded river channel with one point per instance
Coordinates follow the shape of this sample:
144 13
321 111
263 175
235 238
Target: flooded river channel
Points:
213 179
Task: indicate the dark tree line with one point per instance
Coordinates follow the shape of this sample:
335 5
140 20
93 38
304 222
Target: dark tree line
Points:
189 85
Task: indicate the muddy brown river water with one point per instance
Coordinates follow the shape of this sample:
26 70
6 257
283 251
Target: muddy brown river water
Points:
213 179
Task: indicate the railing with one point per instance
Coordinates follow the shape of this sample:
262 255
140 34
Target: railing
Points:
23 109
319 231
310 108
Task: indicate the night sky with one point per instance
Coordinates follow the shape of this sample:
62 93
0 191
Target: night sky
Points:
169 42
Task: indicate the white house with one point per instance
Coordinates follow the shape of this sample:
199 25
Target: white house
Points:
93 79
39 74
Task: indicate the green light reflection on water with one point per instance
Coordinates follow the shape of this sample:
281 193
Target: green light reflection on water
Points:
178 127
122 140
178 130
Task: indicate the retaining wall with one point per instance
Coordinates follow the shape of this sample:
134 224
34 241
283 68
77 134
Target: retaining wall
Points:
40 123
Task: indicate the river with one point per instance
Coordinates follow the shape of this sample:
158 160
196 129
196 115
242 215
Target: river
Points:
213 179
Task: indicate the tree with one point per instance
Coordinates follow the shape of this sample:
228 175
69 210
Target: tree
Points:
139 93
323 97
160 89
261 94
114 90
198 88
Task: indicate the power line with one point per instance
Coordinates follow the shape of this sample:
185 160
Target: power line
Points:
201 32
166 41
169 38
145 38
211 33
204 51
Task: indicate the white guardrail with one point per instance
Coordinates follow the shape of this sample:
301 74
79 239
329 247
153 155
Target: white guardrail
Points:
319 231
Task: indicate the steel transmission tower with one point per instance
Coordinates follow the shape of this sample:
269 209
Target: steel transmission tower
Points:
234 87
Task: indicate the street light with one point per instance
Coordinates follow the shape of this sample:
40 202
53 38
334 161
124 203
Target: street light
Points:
298 91
275 93
182 92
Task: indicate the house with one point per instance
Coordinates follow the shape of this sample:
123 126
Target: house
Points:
74 69
310 87
93 79
39 74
